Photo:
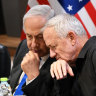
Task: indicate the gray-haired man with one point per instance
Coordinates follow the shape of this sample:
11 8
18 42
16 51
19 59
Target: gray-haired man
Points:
70 45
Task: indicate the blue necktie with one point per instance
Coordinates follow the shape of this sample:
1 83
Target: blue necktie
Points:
18 90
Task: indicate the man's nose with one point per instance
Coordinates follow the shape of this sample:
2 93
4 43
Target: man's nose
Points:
34 43
52 53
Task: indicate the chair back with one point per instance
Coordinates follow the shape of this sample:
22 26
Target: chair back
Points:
5 61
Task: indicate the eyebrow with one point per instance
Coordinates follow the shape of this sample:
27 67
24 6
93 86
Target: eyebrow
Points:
27 34
37 34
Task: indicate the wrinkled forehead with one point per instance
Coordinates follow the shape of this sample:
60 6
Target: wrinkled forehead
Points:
50 36
34 25
36 21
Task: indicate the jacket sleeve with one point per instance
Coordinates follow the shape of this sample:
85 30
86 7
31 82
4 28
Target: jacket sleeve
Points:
40 86
16 69
94 60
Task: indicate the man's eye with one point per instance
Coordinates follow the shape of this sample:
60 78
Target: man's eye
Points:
29 37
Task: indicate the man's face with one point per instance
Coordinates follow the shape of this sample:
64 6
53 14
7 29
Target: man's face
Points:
61 48
34 35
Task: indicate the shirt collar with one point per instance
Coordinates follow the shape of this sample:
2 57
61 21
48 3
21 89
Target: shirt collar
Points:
87 46
44 58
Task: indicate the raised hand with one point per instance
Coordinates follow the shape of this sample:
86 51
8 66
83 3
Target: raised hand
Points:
60 68
30 65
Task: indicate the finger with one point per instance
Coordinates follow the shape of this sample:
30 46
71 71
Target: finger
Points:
51 71
70 71
31 53
64 69
24 58
60 70
56 71
37 56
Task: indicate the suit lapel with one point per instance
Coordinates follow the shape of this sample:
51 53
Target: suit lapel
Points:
47 63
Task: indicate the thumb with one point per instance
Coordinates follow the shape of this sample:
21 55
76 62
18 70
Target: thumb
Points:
37 56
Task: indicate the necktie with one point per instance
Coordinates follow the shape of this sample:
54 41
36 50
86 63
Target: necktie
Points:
18 90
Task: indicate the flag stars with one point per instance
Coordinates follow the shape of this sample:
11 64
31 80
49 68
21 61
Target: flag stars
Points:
80 0
69 7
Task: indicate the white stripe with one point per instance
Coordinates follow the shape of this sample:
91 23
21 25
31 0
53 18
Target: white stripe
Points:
87 21
94 3
56 6
31 3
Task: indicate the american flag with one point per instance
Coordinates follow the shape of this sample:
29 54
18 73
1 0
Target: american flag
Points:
83 10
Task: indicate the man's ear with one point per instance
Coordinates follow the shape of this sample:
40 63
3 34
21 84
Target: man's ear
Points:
72 36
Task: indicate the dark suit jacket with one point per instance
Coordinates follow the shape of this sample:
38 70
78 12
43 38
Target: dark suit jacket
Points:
16 70
43 85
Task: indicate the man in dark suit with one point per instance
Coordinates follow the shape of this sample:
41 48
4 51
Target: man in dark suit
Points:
65 30
36 47
34 60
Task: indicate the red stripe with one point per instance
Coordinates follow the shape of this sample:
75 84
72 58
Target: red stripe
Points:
91 11
78 17
23 36
43 2
28 7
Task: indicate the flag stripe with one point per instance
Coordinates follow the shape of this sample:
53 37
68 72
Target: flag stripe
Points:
78 17
91 11
28 7
23 36
56 6
93 3
43 2
87 21
31 3
22 33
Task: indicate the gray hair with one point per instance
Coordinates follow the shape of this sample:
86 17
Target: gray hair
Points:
42 10
64 23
